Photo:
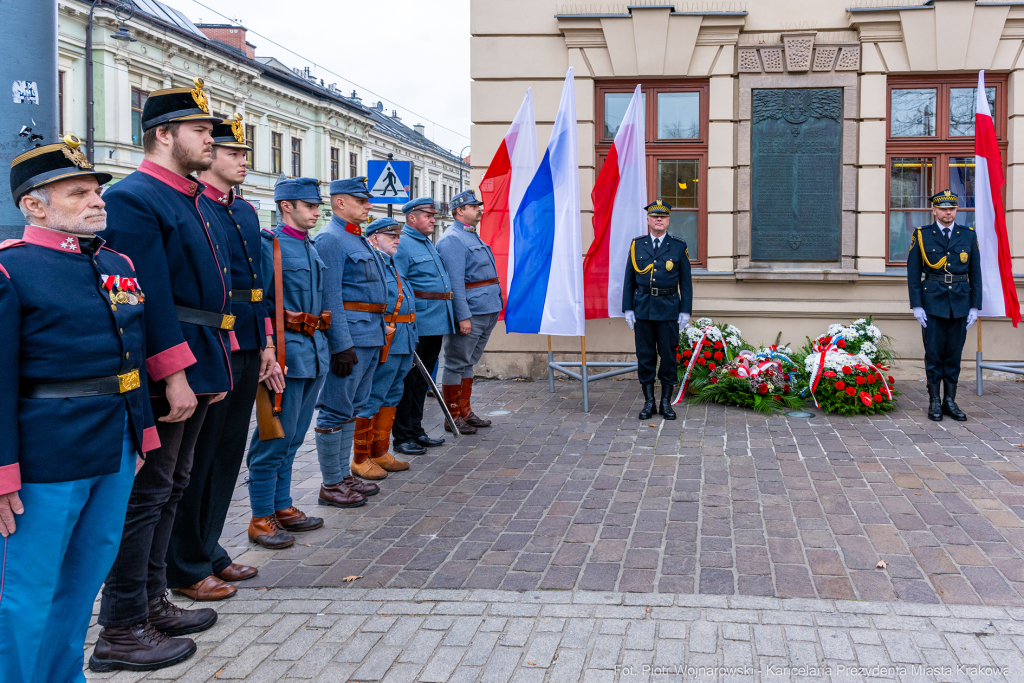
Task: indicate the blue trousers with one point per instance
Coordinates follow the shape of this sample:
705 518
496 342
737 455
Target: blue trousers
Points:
343 398
52 567
388 383
270 462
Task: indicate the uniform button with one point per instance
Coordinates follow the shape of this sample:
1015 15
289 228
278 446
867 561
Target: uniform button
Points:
126 355
217 247
254 276
229 212
250 260
113 307
225 270
245 243
207 225
229 293
951 286
121 330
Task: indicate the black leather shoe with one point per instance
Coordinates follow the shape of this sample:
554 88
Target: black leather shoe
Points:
934 403
648 409
427 442
410 448
172 620
666 402
949 406
138 648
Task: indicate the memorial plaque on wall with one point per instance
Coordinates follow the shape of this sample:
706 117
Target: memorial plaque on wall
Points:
795 180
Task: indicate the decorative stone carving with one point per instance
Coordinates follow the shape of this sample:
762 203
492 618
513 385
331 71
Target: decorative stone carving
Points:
749 61
798 52
772 58
849 59
824 58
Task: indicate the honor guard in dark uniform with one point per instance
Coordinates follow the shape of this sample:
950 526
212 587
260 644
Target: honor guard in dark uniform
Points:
74 411
197 566
944 277
657 298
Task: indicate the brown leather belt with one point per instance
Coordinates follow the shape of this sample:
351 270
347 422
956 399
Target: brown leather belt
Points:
407 318
440 296
306 323
364 307
483 283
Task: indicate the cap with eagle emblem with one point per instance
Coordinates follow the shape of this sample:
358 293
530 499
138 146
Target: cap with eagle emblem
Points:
658 208
177 104
230 133
49 163
944 199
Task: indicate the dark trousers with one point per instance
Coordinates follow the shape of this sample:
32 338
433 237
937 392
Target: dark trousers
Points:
138 574
409 415
194 552
656 338
943 347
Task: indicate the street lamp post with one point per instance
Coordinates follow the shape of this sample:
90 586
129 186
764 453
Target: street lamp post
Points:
124 10
462 156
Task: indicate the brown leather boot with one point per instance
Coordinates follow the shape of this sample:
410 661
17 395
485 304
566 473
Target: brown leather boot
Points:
138 648
452 396
464 408
362 441
267 532
340 496
367 488
174 621
379 451
294 519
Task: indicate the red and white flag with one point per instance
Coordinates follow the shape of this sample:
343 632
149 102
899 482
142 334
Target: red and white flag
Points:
619 197
503 187
999 295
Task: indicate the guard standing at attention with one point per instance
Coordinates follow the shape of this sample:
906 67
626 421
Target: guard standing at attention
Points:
946 301
355 290
396 354
476 301
419 263
287 250
197 566
74 412
657 298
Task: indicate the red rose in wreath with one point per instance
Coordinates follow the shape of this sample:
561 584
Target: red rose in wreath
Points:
763 388
847 370
702 361
712 366
714 380
879 398
841 343
865 398
707 354
718 355
826 339
707 343
840 385
679 357
687 353
718 344
851 391
860 380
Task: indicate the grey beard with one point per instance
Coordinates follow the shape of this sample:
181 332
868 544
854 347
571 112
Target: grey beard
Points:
76 225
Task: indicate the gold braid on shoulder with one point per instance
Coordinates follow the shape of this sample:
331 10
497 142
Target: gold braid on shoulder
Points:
632 255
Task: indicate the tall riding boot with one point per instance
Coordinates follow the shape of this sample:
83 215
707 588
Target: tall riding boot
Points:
464 408
648 409
362 466
949 406
666 401
379 453
934 403
452 398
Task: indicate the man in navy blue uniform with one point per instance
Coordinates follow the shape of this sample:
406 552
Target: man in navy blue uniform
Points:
197 566
419 263
355 291
156 221
74 412
657 298
306 319
944 277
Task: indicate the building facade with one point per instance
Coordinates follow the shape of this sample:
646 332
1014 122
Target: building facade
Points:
797 140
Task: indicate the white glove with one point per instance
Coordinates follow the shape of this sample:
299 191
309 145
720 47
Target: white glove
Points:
683 319
630 319
972 316
921 316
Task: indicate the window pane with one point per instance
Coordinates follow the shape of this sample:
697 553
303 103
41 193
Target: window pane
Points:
678 115
677 182
913 112
961 180
962 108
901 225
965 218
683 224
615 105
910 182
137 128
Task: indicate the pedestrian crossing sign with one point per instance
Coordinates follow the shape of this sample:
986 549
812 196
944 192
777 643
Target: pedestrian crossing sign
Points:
389 181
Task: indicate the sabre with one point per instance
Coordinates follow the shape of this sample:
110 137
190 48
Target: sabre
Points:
440 399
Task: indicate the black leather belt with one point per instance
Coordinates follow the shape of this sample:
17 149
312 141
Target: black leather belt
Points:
205 318
654 291
97 386
241 296
945 277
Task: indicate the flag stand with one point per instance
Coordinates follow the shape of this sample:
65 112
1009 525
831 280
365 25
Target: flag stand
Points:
1014 368
583 375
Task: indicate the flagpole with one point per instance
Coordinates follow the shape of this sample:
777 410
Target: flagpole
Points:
977 360
583 374
551 371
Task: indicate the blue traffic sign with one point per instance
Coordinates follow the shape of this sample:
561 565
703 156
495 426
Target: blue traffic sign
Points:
389 181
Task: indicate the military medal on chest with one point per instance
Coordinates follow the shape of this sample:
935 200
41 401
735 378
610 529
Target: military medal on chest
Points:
669 265
122 290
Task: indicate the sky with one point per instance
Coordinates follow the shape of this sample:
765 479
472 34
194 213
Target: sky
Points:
411 54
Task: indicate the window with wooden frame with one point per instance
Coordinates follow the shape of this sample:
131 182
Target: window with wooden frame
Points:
353 163
138 101
296 157
276 141
676 123
250 140
335 163
930 147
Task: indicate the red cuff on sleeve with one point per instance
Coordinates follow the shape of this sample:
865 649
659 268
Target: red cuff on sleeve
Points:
270 328
10 478
169 361
234 341
150 440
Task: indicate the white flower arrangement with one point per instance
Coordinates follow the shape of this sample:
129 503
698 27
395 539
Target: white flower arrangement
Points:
704 322
834 329
733 340
868 349
873 332
733 331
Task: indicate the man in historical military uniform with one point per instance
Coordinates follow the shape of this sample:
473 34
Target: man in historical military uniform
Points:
288 250
396 354
155 220
657 298
355 290
419 263
476 301
197 566
74 412
946 301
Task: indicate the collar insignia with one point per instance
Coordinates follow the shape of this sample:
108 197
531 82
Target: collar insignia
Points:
69 244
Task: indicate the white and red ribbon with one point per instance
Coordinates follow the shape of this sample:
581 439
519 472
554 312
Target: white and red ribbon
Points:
698 350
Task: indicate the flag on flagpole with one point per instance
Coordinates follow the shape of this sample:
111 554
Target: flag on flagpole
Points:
998 292
503 187
619 196
545 295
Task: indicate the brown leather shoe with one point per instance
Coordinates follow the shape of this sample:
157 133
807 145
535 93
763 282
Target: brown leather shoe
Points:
267 532
464 427
174 621
210 588
367 488
237 572
390 463
466 410
294 519
475 421
368 470
340 496
138 648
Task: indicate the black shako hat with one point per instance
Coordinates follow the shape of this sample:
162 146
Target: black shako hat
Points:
230 133
49 163
177 104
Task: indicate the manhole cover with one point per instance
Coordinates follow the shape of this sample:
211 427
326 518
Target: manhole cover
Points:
799 413
500 412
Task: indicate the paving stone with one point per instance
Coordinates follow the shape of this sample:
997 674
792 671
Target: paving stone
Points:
442 665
